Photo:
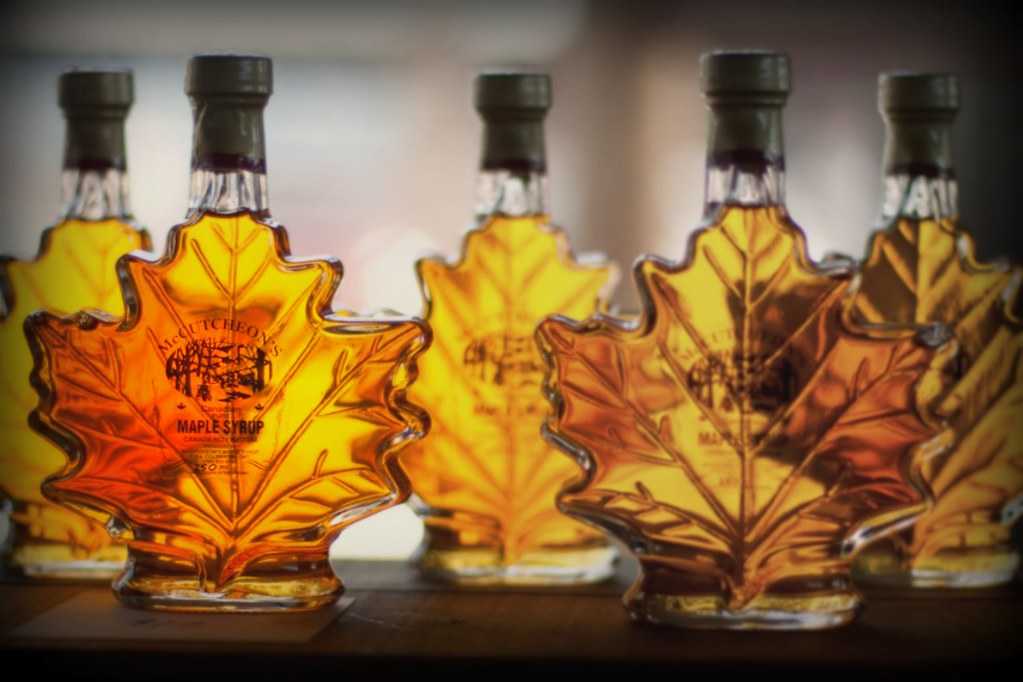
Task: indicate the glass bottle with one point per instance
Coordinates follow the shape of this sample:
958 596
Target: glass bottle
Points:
74 269
921 268
737 437
230 425
484 480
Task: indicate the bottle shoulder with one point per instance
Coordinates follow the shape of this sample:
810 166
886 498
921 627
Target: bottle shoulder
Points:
925 270
746 240
74 267
522 264
254 412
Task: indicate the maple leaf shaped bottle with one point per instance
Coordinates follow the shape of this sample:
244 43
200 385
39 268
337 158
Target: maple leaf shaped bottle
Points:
921 268
230 424
485 480
737 437
74 269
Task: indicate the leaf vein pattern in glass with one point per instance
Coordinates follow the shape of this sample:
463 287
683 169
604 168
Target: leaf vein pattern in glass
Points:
74 270
744 439
963 539
485 474
251 425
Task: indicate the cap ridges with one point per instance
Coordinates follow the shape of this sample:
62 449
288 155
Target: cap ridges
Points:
513 91
211 75
913 91
109 91
745 73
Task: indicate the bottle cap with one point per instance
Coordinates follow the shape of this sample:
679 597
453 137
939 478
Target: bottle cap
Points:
211 75
513 92
907 91
513 105
109 93
745 75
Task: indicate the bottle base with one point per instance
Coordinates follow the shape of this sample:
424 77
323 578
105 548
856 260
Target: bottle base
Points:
815 611
949 569
56 562
487 567
251 594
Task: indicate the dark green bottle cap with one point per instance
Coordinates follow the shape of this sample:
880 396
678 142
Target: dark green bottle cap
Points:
95 104
228 93
919 109
513 107
754 75
226 75
96 93
908 91
514 93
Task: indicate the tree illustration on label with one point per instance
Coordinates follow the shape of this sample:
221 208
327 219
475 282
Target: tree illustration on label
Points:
233 370
486 476
74 270
738 437
230 422
925 271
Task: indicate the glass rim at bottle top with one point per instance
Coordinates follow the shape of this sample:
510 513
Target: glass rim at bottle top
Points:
229 163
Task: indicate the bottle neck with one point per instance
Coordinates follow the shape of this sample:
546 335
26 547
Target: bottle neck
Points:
513 164
228 157
228 191
745 158
919 179
94 180
510 193
514 143
90 194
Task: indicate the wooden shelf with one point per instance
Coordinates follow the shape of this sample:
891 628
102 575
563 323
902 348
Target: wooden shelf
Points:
398 623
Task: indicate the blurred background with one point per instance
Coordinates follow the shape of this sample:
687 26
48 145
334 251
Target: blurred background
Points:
373 142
